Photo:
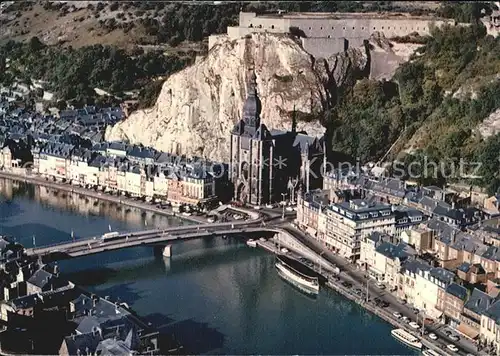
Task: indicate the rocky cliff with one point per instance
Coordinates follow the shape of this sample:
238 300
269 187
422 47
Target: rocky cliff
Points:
198 106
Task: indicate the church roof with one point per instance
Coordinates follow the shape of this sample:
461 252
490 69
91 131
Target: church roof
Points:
262 133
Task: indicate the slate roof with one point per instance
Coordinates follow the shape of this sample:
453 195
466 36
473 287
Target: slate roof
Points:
82 344
479 301
493 312
442 275
457 291
414 266
40 278
393 251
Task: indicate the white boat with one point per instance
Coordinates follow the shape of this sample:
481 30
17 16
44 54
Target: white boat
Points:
430 352
407 338
306 284
252 243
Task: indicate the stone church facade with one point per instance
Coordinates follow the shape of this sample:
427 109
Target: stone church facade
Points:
266 164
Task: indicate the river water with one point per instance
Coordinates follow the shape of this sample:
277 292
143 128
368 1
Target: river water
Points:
217 296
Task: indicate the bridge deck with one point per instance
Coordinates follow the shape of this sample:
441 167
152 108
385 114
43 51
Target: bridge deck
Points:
96 244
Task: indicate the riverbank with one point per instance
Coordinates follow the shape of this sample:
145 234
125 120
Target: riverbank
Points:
99 195
334 282
222 298
357 293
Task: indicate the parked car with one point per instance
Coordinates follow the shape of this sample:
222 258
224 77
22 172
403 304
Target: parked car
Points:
433 336
397 314
454 337
414 325
452 347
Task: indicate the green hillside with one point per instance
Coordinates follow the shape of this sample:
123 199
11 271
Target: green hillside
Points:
419 106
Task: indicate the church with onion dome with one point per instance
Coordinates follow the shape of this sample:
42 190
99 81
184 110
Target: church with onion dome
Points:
265 164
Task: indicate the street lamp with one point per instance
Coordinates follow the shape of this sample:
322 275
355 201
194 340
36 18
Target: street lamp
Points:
283 206
319 261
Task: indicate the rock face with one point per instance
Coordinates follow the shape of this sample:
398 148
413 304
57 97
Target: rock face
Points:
198 106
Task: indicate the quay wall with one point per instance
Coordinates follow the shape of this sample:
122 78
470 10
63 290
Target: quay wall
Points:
101 196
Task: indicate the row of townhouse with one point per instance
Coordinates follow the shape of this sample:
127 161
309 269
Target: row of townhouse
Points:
431 200
349 225
433 290
133 170
343 224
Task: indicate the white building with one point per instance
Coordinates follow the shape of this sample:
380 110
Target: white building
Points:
348 222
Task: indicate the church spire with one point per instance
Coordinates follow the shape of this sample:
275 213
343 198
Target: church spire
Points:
252 106
252 84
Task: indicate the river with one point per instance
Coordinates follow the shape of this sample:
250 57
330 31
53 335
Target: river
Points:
217 296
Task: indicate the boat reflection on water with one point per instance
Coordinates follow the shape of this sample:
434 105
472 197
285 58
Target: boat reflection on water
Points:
297 275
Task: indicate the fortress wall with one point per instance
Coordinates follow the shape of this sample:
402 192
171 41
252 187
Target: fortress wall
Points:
362 27
324 47
325 34
355 26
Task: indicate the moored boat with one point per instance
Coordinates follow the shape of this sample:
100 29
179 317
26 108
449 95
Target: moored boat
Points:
306 284
407 338
252 243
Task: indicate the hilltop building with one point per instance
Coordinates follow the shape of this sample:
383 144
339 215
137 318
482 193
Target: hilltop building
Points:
264 162
324 34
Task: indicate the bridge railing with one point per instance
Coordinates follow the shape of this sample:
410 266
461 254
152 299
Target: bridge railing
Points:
152 231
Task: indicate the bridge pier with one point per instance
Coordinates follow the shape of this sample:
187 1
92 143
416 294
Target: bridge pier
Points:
167 251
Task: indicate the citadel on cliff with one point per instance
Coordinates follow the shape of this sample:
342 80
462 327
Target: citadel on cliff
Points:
324 34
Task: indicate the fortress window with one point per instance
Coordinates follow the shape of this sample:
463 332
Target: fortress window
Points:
329 36
333 28
362 28
321 28
260 26
374 28
353 28
250 26
382 27
310 28
343 28
272 26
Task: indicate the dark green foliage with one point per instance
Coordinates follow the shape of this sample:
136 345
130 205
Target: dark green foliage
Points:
149 93
74 73
371 117
463 11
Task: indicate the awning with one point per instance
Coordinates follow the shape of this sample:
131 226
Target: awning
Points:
467 331
434 313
